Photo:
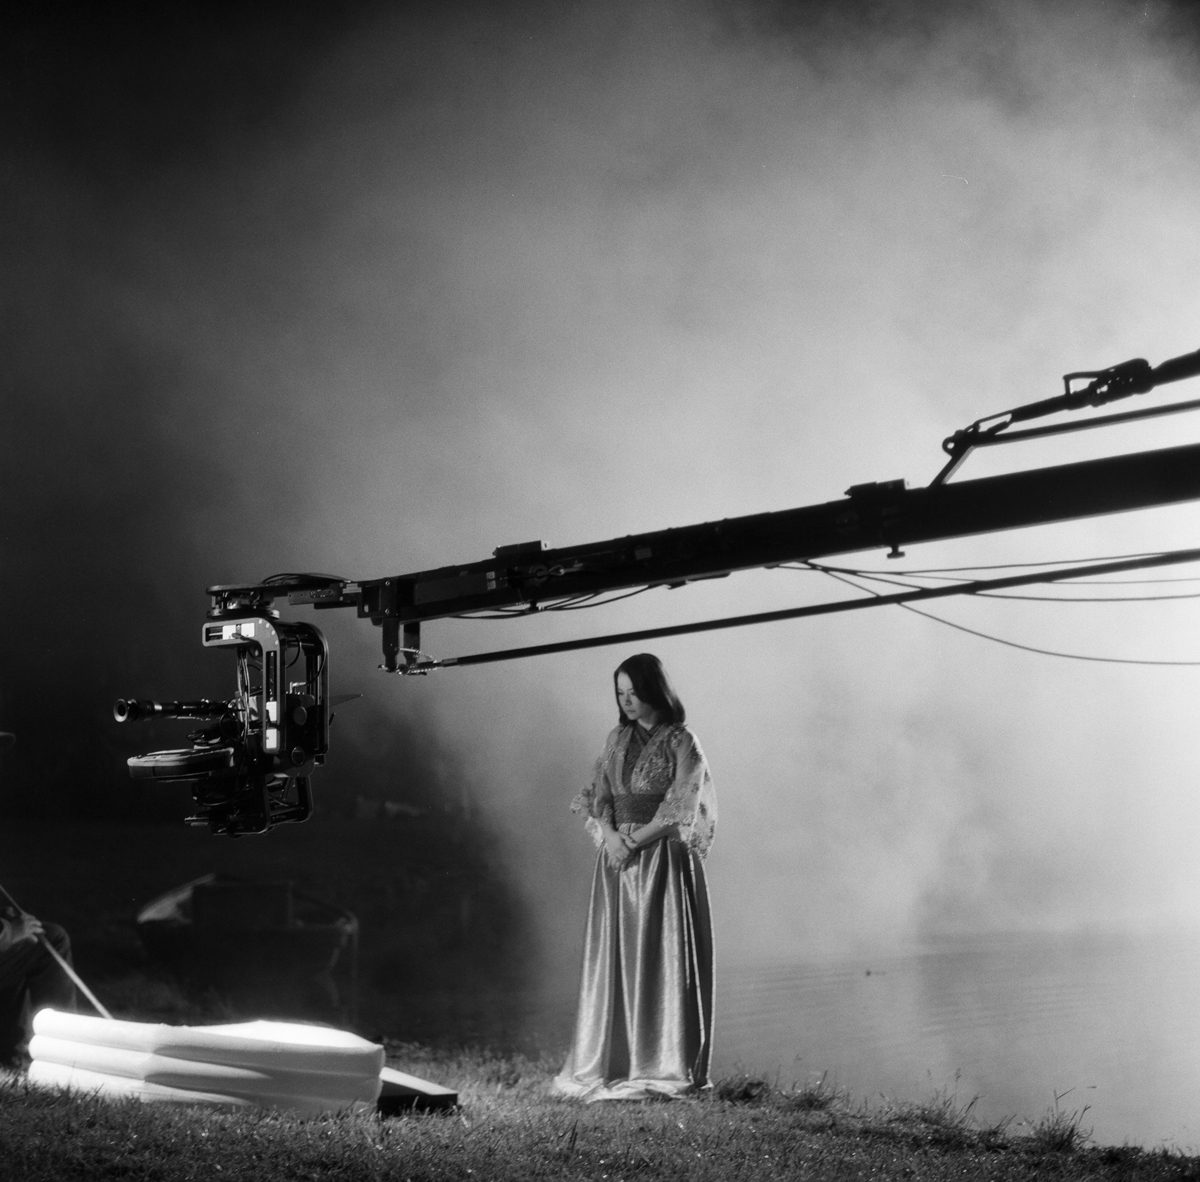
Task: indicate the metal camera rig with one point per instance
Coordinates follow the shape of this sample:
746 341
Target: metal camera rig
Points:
249 770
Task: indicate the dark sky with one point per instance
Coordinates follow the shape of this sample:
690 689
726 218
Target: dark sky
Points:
379 288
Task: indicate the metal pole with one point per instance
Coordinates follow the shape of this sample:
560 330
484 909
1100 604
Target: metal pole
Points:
63 963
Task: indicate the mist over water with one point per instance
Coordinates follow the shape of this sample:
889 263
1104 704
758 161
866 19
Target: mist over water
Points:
1096 1027
376 292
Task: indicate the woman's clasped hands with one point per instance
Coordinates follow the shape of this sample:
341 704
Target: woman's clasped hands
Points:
619 848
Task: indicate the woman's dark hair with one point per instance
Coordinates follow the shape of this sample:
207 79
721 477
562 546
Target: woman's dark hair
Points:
651 683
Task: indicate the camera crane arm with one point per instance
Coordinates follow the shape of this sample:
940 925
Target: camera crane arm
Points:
251 770
887 514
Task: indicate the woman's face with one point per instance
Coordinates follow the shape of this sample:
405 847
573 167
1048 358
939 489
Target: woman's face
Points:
631 705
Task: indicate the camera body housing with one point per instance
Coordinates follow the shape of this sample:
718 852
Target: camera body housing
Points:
250 769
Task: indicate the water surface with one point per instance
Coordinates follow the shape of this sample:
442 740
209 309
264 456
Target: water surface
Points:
1108 1023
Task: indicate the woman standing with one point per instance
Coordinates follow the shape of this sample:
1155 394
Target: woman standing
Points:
644 1023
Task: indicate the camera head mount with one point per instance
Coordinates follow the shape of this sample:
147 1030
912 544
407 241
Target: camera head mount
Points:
249 769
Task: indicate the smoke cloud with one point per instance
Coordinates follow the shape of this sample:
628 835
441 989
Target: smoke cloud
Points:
376 292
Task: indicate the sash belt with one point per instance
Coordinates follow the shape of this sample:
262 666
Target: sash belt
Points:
636 808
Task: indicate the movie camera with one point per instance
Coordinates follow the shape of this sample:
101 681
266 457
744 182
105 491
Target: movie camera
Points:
249 768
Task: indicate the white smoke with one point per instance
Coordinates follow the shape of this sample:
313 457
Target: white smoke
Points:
568 273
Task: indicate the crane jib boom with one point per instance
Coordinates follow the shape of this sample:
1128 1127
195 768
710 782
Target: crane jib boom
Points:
870 516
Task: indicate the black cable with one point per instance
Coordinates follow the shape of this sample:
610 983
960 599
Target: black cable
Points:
594 600
812 564
1045 652
1013 643
1089 598
894 582
570 603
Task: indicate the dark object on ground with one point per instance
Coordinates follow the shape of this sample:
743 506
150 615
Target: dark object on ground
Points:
402 1093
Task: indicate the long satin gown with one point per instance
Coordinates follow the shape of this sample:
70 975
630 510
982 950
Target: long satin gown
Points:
643 1028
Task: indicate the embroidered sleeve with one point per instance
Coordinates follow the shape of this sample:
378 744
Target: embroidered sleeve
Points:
595 801
690 803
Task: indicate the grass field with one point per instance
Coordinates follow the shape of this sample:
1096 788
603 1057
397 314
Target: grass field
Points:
509 1126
